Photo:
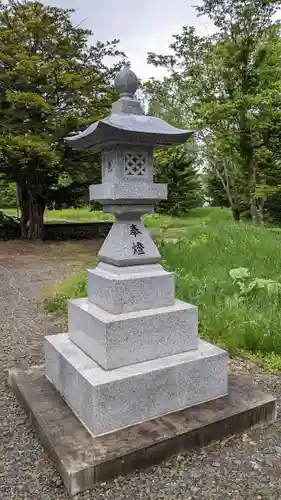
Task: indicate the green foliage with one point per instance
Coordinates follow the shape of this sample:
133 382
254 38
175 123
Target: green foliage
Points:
175 167
202 271
52 82
27 151
213 189
8 193
74 195
239 275
8 220
227 86
81 169
270 362
250 286
273 209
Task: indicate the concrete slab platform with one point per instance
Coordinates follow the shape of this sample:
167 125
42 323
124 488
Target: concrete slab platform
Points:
82 461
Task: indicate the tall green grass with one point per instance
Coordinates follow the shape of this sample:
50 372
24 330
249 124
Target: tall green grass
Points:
202 260
201 249
56 297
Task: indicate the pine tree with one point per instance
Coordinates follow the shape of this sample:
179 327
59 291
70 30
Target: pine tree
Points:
52 81
175 167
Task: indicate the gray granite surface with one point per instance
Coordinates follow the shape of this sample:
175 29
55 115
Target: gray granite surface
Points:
114 340
129 243
131 288
107 400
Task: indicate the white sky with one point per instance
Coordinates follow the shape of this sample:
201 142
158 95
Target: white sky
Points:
142 25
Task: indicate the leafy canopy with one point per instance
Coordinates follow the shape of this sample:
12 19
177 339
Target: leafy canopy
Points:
227 87
52 82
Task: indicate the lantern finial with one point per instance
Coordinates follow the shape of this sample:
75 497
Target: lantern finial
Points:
126 82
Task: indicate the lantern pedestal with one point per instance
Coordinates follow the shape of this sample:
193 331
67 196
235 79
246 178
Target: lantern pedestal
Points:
116 340
108 400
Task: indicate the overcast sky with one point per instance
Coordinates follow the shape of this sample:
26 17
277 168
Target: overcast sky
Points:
141 25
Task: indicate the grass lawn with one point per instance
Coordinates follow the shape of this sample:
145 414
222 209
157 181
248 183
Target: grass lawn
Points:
195 217
202 249
68 215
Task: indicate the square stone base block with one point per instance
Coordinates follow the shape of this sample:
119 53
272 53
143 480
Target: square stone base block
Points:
107 400
115 340
127 289
82 460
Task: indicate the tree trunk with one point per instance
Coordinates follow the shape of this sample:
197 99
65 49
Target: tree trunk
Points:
32 207
235 214
230 193
22 197
261 210
256 214
36 215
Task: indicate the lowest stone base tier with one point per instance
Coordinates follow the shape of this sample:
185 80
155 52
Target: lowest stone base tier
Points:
107 400
82 460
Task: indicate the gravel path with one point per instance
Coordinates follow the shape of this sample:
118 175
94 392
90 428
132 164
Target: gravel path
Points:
245 467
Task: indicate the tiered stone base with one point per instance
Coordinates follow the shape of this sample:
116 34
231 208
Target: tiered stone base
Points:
115 340
120 365
107 400
128 289
82 460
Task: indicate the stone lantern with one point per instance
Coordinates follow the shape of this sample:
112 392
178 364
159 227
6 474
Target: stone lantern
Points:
137 381
132 352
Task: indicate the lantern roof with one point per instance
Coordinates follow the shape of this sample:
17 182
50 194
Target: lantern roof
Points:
127 124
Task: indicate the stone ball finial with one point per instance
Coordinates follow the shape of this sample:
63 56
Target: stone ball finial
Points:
126 82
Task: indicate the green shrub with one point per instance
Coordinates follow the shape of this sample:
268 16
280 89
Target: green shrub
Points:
8 196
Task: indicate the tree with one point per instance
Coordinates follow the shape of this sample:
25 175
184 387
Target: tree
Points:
8 195
213 190
72 189
52 82
175 167
227 86
225 169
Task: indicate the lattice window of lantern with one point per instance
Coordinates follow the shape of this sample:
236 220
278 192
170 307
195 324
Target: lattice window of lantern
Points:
134 163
